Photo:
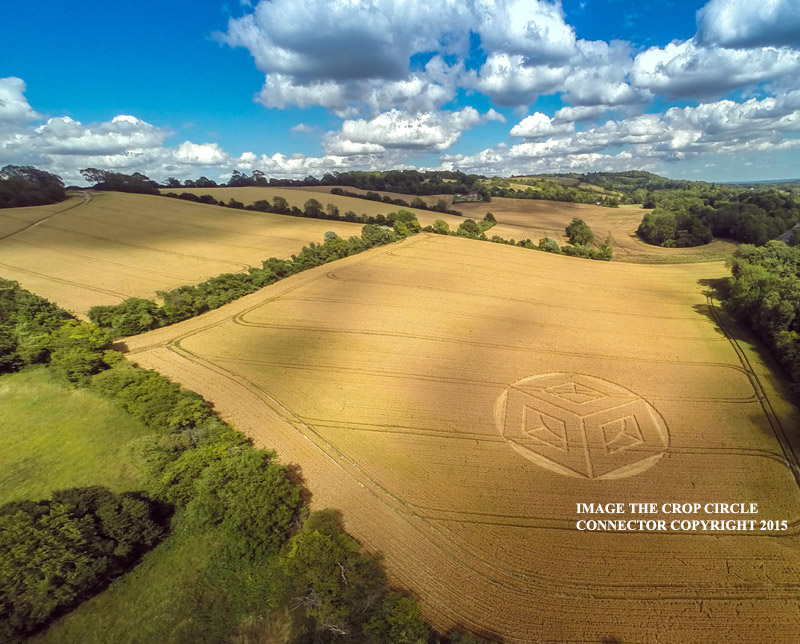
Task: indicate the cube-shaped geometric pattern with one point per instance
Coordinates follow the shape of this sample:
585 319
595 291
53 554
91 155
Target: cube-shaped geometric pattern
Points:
582 426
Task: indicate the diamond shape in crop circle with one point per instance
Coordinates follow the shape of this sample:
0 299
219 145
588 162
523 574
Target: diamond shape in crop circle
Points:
581 426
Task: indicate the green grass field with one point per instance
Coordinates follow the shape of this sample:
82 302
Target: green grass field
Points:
185 590
154 602
54 438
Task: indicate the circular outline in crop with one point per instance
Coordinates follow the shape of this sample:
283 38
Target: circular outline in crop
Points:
581 426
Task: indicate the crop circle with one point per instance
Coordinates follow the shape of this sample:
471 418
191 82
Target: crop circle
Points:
582 426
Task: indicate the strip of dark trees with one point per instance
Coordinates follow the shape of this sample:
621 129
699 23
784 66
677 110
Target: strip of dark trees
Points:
28 186
551 191
410 182
119 182
440 206
312 208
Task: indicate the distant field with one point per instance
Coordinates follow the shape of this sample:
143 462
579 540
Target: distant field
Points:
532 218
123 245
517 219
456 400
54 438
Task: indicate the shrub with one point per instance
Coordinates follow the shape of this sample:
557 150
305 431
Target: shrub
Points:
579 232
251 498
441 227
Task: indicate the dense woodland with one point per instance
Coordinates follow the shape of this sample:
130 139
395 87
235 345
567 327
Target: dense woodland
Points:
764 294
28 186
693 217
57 552
200 474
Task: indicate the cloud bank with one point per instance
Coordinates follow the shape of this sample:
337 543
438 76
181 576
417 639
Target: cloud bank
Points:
399 78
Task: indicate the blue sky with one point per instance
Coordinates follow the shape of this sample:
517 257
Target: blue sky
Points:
297 87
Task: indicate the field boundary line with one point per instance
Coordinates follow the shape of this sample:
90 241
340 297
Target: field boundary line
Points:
218 316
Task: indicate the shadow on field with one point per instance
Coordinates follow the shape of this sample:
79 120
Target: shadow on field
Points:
744 342
736 333
716 289
611 640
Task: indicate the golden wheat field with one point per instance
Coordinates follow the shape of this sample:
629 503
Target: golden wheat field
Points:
457 400
517 219
110 246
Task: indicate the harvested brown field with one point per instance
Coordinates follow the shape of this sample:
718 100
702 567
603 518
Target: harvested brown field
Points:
82 253
516 219
457 400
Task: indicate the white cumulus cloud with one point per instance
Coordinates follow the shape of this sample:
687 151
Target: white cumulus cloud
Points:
14 107
715 128
686 69
744 23
539 125
396 129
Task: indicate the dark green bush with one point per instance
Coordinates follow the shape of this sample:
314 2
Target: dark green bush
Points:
57 552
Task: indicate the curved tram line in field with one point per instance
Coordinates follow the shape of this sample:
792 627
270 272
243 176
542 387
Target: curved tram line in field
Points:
87 197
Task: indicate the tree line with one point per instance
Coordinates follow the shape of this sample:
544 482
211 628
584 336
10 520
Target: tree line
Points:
440 206
410 182
200 474
312 208
581 237
550 191
119 182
